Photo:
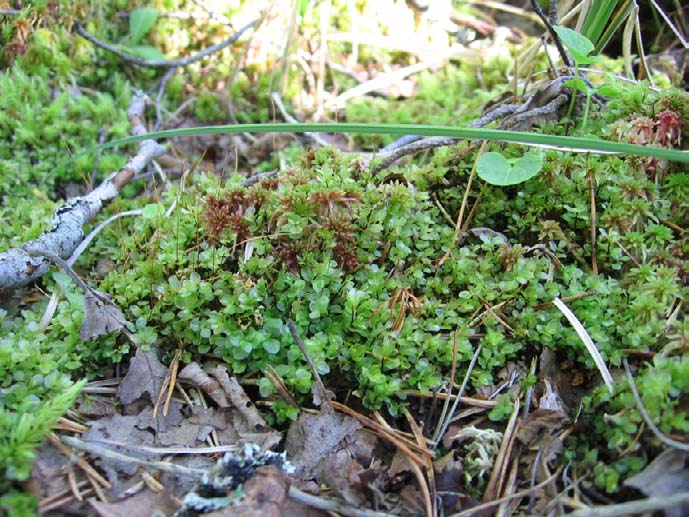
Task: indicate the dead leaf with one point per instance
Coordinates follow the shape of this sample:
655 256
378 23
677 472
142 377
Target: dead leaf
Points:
410 501
145 502
122 429
160 423
101 315
666 475
145 375
93 405
312 437
322 397
194 374
238 397
399 464
346 477
47 475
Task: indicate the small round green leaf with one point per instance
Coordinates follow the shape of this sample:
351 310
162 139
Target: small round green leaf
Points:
272 346
150 211
494 168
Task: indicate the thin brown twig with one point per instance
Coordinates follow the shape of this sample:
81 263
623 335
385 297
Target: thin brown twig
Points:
594 231
462 208
61 498
72 480
467 401
497 477
174 367
97 488
325 400
161 63
517 495
280 386
567 299
444 423
408 447
414 147
427 484
65 424
80 462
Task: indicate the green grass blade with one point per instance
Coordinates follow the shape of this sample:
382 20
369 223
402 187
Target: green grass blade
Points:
615 22
566 142
597 18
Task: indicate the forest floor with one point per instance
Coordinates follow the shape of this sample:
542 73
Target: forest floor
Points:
283 320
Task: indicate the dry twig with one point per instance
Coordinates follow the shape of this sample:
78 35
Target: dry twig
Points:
19 268
161 63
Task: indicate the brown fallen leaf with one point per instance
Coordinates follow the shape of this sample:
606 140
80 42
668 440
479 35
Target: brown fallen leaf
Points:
121 429
101 315
145 375
47 474
311 437
94 406
194 374
666 475
238 397
144 503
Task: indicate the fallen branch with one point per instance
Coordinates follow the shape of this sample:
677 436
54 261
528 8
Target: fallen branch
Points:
413 147
19 268
160 63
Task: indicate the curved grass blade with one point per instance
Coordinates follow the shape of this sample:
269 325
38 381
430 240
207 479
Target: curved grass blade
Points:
564 143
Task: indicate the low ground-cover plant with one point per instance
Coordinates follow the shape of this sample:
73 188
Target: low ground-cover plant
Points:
353 259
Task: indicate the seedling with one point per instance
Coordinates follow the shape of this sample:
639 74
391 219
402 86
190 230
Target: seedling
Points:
141 21
581 48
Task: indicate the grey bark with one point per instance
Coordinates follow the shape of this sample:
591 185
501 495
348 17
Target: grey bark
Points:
18 268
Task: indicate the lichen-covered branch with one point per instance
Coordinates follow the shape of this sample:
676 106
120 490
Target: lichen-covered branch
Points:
18 268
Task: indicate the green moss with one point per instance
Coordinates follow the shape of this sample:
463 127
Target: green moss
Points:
353 259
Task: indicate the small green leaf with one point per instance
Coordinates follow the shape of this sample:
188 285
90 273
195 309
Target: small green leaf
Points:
272 346
608 90
578 44
145 52
494 168
577 84
141 21
63 280
150 211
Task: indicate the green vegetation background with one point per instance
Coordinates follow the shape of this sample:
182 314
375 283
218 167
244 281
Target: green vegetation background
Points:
351 257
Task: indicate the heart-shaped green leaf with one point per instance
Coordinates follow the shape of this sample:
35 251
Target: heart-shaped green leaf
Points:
577 84
579 45
141 21
495 169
